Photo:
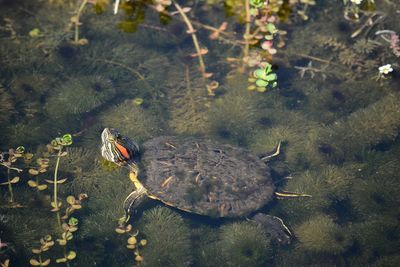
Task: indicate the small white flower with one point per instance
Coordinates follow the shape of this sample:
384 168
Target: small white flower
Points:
357 2
385 69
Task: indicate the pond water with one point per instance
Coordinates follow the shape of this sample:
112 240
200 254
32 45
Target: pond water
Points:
68 69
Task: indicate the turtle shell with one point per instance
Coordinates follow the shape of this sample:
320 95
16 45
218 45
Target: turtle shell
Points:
205 177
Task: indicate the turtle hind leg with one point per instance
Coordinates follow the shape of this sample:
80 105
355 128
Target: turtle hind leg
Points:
133 201
274 227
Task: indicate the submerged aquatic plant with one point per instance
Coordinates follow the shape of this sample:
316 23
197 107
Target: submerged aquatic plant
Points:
233 115
378 122
244 244
79 95
45 244
263 78
168 239
135 121
189 104
8 160
322 234
6 105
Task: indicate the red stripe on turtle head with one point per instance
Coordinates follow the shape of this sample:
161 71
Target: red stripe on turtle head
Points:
123 151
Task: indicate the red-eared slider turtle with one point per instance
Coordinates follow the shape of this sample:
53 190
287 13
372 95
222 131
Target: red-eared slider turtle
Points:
197 175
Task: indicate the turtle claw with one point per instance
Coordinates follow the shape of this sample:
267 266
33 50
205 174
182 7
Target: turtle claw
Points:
274 228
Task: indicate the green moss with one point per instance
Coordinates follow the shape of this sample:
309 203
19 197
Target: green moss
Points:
376 237
207 251
310 183
234 115
6 105
321 234
78 96
189 104
296 132
377 195
131 120
168 239
387 261
243 244
364 128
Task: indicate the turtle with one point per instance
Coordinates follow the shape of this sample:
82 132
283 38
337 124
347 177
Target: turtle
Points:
200 176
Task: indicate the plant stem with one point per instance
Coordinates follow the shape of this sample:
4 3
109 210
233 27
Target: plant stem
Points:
246 35
10 186
191 31
55 177
81 7
55 187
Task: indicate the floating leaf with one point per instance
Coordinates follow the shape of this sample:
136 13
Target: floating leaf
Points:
137 101
143 242
28 156
61 260
61 181
46 262
33 172
260 74
73 221
66 140
120 231
261 83
63 154
34 33
34 262
14 180
36 251
71 255
138 258
20 150
42 187
32 183
251 87
53 204
271 77
71 200
132 240
62 242
130 246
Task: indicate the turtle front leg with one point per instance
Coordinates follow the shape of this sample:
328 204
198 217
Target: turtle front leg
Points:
134 199
133 202
273 227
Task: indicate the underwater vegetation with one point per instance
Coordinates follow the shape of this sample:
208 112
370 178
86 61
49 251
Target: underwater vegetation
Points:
168 238
133 120
86 94
30 87
233 115
362 129
243 244
297 133
189 104
326 185
6 105
322 234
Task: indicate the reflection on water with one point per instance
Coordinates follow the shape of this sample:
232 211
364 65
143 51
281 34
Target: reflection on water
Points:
74 67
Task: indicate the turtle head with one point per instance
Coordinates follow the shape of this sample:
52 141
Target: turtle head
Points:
118 148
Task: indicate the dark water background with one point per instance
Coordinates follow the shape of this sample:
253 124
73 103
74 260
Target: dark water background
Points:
337 123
